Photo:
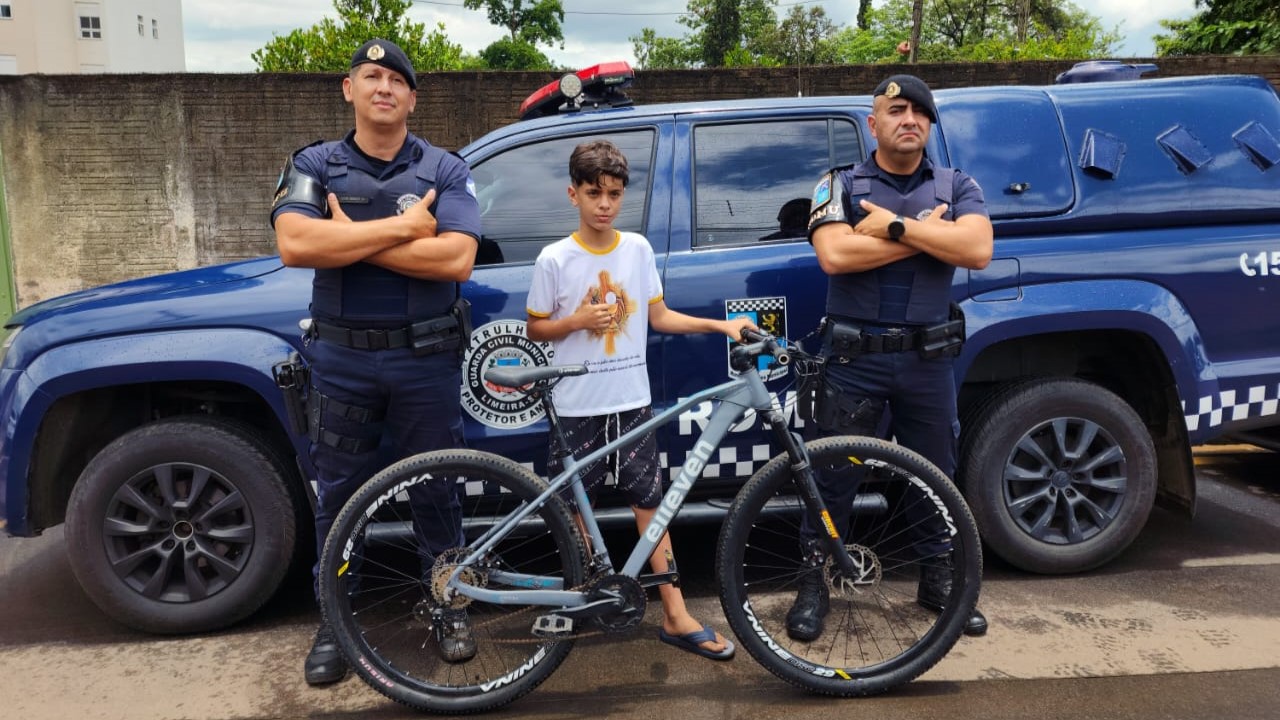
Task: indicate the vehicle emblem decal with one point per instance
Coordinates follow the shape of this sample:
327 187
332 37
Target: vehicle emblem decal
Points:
498 343
770 315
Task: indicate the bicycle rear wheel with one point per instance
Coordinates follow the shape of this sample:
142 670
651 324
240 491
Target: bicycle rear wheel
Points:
381 588
876 636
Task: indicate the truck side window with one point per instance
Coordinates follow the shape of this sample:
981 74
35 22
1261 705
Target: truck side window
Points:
753 181
524 205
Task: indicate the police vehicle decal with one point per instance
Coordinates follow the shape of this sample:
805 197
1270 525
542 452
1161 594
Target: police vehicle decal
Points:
1231 406
734 459
498 343
770 315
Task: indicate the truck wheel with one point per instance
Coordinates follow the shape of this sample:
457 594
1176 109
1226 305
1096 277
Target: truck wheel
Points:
1060 474
182 525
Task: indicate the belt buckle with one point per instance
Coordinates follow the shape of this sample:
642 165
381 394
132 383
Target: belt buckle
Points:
376 339
891 341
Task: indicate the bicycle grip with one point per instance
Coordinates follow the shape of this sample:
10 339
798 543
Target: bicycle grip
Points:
771 346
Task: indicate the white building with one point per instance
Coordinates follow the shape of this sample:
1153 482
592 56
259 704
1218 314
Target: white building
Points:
91 36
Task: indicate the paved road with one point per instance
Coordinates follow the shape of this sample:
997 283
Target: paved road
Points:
1186 624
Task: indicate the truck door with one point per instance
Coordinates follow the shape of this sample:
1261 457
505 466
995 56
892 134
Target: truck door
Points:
521 184
739 217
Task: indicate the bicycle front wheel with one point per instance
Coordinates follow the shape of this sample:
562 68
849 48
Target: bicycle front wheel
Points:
383 576
907 519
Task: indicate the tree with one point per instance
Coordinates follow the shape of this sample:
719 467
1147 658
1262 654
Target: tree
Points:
528 21
715 37
508 54
948 30
721 33
654 52
803 37
957 30
1224 27
328 45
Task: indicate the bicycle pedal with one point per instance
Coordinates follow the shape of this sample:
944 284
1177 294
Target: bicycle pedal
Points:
552 626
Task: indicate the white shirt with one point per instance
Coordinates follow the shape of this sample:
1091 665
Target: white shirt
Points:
626 276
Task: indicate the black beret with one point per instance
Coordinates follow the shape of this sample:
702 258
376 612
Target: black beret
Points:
388 55
911 88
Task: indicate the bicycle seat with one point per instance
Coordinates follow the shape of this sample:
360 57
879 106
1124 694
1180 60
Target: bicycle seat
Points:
514 377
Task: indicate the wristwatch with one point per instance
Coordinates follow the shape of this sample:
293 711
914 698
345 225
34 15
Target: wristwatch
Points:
897 227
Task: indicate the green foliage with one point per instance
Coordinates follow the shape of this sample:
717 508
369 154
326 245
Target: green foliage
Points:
804 37
951 30
508 54
527 21
991 30
1224 27
328 45
852 46
653 52
721 32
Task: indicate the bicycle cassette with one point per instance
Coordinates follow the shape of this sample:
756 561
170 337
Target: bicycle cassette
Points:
446 563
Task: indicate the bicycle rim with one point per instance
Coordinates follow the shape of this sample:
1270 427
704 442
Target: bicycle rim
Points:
377 582
875 636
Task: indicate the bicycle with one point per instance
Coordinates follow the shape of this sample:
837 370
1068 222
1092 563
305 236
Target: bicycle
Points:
530 582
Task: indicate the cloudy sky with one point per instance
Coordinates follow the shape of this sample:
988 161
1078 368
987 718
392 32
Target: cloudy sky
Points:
221 34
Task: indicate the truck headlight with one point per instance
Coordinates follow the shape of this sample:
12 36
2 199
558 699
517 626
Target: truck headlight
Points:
9 334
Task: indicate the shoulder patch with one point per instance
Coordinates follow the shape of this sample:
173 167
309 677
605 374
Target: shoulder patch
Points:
821 193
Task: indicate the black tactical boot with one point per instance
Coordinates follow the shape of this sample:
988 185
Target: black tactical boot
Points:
325 663
804 619
454 632
935 587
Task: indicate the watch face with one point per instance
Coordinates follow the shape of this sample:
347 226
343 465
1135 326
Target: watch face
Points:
896 228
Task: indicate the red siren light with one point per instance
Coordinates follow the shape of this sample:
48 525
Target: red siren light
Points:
598 85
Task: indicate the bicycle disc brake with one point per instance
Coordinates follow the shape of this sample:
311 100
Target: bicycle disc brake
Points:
866 567
446 562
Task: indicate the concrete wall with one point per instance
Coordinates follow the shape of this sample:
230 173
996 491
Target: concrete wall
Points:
112 177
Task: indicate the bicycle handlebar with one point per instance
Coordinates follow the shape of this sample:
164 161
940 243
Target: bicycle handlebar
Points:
768 345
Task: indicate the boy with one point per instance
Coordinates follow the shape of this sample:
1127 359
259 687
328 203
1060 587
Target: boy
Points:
594 295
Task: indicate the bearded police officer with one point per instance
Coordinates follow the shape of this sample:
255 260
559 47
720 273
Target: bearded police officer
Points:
890 233
390 224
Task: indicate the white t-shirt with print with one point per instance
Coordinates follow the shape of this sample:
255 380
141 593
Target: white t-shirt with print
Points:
625 276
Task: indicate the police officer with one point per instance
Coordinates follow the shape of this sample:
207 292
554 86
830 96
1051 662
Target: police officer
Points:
390 225
890 233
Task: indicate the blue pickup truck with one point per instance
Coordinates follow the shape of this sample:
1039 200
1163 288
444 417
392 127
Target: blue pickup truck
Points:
1129 314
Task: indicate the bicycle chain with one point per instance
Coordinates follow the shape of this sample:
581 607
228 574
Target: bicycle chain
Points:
535 640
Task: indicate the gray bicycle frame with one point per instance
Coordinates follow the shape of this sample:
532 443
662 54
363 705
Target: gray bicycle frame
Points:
736 397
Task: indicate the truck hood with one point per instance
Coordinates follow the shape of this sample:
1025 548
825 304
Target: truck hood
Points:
257 294
153 285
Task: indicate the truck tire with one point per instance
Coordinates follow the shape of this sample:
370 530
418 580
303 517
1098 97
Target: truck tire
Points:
1060 474
182 525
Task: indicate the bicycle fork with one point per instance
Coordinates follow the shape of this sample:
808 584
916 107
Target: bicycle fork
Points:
814 506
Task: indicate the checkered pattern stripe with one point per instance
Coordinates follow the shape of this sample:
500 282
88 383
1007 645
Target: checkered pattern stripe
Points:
727 463
751 304
1231 406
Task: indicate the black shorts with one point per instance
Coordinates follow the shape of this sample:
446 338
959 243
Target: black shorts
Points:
634 467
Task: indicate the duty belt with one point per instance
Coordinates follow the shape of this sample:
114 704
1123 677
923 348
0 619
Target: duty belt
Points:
849 338
426 337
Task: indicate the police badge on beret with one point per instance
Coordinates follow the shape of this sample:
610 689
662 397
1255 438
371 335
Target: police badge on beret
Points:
890 92
406 201
375 53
